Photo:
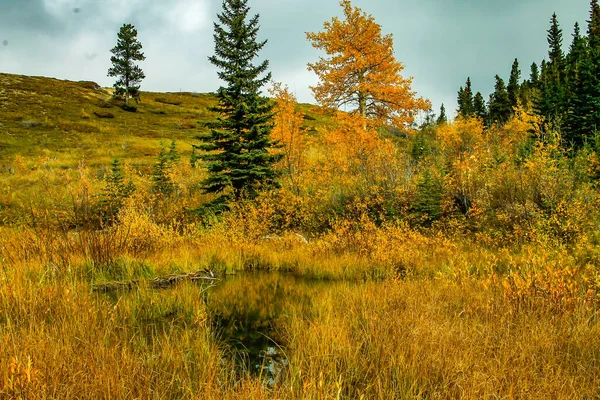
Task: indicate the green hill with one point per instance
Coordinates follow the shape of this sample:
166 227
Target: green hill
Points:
74 121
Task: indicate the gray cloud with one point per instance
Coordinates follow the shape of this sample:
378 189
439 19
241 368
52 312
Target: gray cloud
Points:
440 42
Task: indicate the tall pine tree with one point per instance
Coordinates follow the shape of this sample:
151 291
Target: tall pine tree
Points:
465 100
514 85
125 53
237 148
583 114
499 108
551 103
443 118
479 107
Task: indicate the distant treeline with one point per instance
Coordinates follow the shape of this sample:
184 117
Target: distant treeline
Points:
563 90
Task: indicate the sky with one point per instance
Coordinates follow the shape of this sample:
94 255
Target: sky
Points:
440 42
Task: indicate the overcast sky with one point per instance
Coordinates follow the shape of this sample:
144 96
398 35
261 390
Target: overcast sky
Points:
440 42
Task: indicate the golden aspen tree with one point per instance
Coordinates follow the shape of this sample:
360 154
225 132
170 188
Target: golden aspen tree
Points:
289 133
360 71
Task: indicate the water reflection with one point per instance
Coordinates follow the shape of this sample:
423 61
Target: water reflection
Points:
246 313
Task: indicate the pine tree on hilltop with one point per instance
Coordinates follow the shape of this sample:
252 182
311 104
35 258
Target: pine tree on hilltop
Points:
125 53
237 149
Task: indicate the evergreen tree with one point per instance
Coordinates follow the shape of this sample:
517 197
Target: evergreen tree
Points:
479 107
115 191
428 201
161 181
125 53
583 114
465 100
551 103
194 157
420 147
500 107
534 75
442 119
514 86
238 158
593 30
172 155
555 39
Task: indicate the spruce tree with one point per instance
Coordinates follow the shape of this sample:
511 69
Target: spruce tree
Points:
499 108
593 30
115 191
172 155
465 100
442 119
534 75
583 114
555 39
237 148
125 53
428 198
551 103
162 184
514 86
479 107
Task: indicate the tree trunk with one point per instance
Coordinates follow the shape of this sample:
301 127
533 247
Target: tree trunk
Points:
362 108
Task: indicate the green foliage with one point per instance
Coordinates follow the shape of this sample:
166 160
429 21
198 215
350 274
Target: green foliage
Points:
534 74
514 84
442 119
593 30
162 184
125 53
465 100
172 155
420 147
115 191
500 105
479 107
555 39
428 200
237 148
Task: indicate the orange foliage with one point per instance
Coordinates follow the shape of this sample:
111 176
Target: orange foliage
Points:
289 134
353 151
361 70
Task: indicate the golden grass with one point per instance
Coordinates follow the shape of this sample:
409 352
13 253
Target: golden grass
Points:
503 303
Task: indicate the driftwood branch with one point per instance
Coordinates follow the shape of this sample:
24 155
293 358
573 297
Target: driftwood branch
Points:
160 282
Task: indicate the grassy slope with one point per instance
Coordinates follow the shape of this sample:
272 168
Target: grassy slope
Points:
45 117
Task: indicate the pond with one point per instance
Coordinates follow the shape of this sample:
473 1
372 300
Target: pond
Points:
247 312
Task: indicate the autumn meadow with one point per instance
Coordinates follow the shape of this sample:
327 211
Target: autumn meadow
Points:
239 245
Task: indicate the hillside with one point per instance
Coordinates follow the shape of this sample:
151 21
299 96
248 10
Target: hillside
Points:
64 120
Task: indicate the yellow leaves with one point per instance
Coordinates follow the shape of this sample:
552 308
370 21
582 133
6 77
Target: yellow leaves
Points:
288 132
464 135
361 72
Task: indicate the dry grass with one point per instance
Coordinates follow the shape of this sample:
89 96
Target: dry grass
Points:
502 303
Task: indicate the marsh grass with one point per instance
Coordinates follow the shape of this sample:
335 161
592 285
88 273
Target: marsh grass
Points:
501 301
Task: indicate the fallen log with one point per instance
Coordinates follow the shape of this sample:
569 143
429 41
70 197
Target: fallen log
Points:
160 282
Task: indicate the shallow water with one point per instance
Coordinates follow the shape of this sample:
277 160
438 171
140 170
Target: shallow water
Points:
247 312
